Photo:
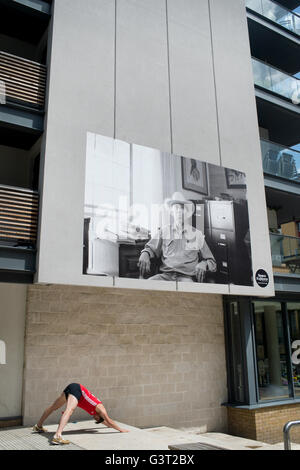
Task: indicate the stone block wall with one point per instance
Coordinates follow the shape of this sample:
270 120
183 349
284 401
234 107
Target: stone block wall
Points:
153 358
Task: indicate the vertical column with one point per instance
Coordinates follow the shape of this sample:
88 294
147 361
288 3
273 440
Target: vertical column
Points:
248 347
81 100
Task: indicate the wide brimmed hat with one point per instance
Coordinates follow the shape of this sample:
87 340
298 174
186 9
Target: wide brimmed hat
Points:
177 198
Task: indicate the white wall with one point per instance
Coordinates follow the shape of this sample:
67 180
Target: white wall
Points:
172 75
12 332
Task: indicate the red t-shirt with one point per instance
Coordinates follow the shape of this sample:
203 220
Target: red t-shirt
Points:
88 401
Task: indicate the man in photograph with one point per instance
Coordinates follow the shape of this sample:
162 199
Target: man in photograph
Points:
181 248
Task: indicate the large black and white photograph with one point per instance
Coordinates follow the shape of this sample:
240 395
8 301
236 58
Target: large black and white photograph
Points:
157 216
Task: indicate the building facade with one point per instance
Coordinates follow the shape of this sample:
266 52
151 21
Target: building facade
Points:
111 111
267 397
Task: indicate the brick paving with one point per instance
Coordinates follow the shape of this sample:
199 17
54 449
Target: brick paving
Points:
24 439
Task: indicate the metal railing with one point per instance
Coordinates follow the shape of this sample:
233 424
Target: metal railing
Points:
280 161
276 81
286 433
22 81
277 13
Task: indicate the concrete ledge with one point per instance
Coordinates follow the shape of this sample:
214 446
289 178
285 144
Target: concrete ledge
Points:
9 422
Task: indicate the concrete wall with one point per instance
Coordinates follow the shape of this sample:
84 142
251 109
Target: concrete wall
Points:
172 75
153 358
12 328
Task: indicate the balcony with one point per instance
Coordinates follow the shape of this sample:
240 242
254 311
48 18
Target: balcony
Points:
285 254
25 20
23 82
22 100
277 14
275 81
282 162
19 210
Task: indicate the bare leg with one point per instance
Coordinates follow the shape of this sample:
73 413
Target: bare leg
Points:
55 406
71 406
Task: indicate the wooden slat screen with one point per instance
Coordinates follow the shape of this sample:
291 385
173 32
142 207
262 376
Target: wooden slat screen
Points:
18 214
25 81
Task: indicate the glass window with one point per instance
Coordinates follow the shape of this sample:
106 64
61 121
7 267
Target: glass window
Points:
293 309
271 354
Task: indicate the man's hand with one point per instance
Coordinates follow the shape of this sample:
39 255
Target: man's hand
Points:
201 271
144 263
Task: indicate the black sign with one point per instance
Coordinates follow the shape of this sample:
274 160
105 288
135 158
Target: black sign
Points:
262 278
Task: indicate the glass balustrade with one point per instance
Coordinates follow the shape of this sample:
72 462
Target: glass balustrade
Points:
280 161
285 253
276 13
276 81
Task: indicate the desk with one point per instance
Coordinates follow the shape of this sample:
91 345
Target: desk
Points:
129 255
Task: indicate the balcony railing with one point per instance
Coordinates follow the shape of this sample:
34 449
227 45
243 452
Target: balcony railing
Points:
276 13
285 253
276 81
22 81
280 161
18 216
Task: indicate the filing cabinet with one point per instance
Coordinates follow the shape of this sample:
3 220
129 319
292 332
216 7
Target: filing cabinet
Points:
226 225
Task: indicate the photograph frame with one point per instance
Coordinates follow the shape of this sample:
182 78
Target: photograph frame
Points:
125 213
188 185
230 173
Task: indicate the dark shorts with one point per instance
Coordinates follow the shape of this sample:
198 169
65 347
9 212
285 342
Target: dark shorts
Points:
73 389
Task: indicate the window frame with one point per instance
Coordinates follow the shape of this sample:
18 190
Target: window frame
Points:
246 311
